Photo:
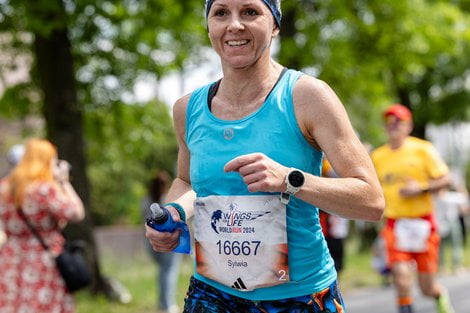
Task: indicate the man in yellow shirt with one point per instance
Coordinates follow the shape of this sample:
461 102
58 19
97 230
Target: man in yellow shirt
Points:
409 170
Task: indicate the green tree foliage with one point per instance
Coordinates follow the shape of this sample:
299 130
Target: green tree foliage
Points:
377 52
139 141
114 42
113 45
121 42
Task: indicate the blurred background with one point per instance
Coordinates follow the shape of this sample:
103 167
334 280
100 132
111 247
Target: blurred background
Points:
99 78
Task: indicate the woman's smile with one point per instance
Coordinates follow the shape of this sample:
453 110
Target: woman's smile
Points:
237 43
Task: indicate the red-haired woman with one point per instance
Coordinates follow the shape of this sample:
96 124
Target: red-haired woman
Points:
38 186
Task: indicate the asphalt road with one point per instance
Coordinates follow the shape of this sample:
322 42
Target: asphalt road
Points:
382 300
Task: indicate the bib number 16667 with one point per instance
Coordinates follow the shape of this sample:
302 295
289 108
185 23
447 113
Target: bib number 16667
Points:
228 247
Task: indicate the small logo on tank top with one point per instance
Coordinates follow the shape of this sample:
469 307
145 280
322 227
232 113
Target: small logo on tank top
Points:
228 133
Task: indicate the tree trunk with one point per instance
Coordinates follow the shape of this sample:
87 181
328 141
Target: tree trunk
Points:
287 33
64 127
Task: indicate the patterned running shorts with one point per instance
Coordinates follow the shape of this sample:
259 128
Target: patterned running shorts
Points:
203 298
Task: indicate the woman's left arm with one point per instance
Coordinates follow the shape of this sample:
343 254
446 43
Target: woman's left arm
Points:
356 193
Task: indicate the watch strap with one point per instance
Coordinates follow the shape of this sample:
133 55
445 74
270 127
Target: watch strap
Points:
284 197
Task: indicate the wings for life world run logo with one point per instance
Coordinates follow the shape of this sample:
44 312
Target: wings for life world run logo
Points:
234 220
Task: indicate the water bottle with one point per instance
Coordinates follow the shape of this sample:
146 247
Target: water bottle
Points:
161 220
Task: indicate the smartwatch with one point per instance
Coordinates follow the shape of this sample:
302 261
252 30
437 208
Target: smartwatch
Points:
294 180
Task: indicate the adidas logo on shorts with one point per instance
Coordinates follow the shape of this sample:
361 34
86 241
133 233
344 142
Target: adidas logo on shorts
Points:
238 284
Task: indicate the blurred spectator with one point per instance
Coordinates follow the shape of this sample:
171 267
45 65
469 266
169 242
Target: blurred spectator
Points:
14 155
463 216
379 260
334 228
450 204
168 263
409 170
38 186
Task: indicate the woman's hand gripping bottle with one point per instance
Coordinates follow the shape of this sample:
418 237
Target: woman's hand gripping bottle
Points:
161 220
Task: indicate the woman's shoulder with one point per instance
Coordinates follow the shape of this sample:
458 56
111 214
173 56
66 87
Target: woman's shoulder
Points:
311 85
197 96
41 188
311 93
180 107
182 103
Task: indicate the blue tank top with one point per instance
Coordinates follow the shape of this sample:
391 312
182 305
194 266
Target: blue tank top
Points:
274 131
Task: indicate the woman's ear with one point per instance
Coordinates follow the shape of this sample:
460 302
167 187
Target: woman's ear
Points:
275 31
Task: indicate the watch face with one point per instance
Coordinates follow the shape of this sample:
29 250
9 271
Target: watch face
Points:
296 178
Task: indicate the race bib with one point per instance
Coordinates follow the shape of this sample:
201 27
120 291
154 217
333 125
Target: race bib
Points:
241 241
412 234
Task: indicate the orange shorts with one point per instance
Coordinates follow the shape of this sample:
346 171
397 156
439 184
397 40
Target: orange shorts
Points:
426 262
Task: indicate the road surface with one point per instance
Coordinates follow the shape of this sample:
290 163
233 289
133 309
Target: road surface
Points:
382 300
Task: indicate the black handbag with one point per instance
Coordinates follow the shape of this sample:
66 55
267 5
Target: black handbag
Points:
71 263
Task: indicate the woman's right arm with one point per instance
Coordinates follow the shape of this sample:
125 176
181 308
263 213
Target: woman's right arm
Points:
78 212
75 211
68 193
180 191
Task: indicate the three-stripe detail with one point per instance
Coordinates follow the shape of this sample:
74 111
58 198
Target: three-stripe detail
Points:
238 284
